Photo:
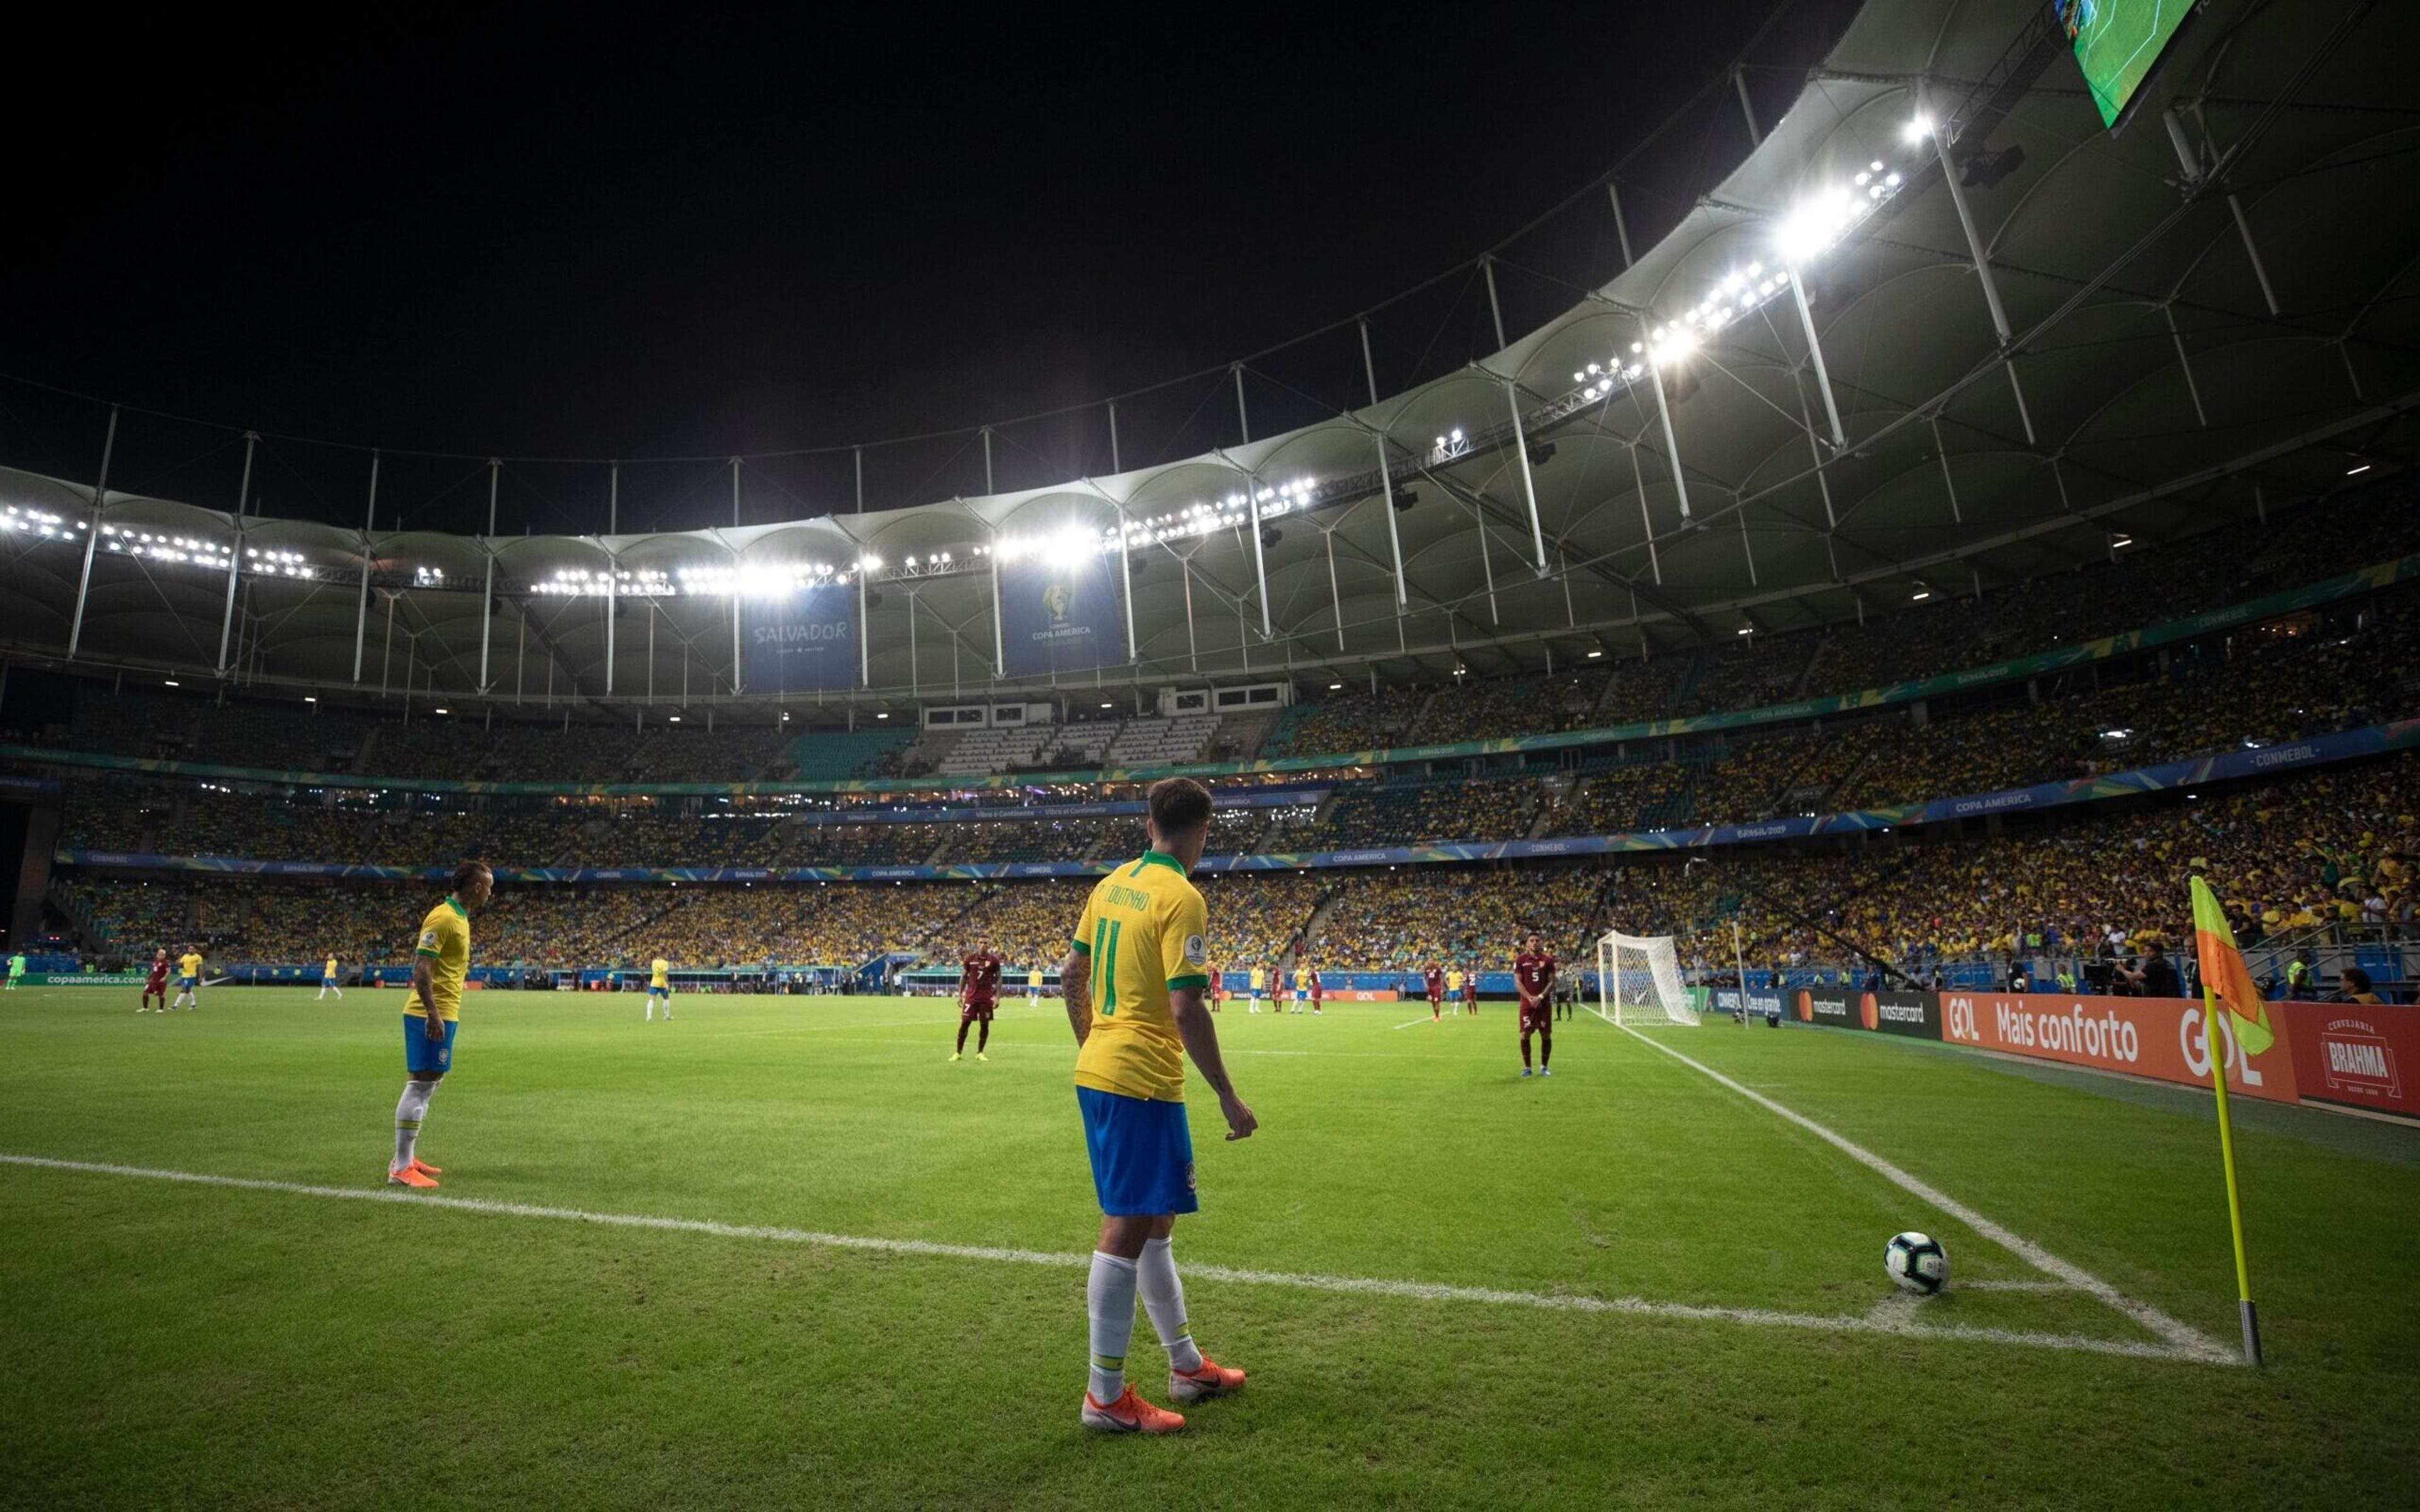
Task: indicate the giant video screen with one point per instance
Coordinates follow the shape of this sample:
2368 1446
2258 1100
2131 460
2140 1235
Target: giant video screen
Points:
2117 42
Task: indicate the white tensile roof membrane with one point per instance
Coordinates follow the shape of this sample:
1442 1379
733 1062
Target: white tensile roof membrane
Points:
2161 390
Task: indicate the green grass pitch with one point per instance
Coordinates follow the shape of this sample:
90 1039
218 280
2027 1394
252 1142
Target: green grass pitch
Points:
174 1343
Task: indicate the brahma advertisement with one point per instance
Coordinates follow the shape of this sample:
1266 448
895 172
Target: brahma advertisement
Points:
2166 1039
2355 1056
1059 613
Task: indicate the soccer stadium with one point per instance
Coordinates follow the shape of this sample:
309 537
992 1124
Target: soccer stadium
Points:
1850 694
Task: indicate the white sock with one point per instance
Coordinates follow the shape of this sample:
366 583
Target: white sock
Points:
1163 1298
408 1114
651 1011
1110 1297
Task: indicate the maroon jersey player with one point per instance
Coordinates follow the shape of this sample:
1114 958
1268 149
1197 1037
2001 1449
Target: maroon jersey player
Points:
156 984
1533 976
978 995
1434 980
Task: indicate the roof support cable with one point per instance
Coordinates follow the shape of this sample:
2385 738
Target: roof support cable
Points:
92 538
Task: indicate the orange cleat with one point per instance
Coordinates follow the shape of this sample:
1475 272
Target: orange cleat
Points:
1130 1413
410 1176
424 1169
1211 1379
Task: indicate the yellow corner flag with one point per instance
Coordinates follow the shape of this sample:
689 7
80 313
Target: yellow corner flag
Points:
2225 980
2225 975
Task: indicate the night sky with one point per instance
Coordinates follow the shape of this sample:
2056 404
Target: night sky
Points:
560 237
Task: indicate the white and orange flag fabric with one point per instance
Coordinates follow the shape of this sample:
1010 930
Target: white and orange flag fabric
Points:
2224 976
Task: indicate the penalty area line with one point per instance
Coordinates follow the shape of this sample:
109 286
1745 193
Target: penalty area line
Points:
1894 1323
2182 1337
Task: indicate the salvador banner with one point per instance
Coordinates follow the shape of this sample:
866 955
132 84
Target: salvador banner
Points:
804 641
1059 613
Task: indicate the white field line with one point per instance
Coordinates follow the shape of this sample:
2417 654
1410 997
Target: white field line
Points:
1897 1323
2180 1337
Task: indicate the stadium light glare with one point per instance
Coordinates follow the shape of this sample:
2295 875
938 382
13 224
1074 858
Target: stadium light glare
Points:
1921 594
1594 654
1920 126
2354 472
173 683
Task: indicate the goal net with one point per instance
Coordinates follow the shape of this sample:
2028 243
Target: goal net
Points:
1638 980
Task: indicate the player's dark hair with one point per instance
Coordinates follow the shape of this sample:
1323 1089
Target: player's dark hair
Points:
464 871
1179 805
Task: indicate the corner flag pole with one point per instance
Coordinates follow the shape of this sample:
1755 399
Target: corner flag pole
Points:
2226 1155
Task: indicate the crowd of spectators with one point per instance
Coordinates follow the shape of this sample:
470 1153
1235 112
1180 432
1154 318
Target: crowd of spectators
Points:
1402 919
2336 845
1347 719
1437 808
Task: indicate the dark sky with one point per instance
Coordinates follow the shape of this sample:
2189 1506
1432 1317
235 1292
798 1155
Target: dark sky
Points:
553 235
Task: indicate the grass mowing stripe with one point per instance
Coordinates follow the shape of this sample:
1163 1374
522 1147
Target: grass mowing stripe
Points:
2181 1335
1895 1322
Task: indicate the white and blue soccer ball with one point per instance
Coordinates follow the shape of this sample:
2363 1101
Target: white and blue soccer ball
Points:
1917 1262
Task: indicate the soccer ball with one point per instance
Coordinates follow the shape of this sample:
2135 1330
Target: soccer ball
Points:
1917 1262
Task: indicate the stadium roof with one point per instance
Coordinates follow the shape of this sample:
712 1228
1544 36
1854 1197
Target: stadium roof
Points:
2147 390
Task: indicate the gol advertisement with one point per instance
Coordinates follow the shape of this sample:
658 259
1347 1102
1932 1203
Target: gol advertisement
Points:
2355 1054
2162 1038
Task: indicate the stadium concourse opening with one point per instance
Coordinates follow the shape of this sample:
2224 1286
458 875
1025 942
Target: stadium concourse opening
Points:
1880 633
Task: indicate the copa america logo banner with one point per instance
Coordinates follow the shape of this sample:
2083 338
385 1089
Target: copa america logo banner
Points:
801 642
1059 613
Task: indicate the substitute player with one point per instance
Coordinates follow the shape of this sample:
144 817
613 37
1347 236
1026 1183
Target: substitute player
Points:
660 986
330 981
1533 978
1434 980
188 980
1133 982
441 963
978 995
156 984
16 968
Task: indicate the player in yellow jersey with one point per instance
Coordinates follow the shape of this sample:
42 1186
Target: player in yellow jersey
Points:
188 979
659 984
441 963
331 981
1033 987
1133 983
1260 981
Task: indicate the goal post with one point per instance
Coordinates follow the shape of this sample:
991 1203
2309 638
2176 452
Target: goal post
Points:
1638 980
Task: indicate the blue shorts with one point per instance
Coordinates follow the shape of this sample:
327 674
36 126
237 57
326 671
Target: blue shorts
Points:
422 1054
327 982
659 992
1143 1153
186 984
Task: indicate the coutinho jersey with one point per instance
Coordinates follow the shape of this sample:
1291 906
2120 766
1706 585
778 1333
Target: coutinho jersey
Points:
189 964
1535 973
445 945
1142 937
979 977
